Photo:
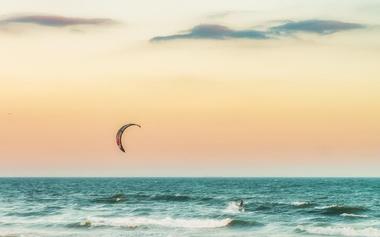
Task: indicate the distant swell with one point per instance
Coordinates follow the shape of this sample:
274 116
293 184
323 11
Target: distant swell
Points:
139 197
301 204
134 222
341 231
338 210
177 197
243 223
117 198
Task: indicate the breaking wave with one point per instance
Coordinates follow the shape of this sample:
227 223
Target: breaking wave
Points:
301 204
233 207
134 222
117 198
338 209
341 231
353 215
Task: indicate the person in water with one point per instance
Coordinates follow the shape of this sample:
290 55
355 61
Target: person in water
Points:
241 203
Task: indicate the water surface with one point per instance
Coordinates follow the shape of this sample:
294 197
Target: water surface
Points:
189 207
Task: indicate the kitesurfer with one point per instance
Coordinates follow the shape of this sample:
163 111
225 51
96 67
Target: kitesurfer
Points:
241 204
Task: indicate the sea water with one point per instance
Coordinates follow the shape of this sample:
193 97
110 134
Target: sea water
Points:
189 207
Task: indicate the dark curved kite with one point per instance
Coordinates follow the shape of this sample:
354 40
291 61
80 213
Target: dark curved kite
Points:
120 134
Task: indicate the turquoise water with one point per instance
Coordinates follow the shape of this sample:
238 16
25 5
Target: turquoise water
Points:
189 207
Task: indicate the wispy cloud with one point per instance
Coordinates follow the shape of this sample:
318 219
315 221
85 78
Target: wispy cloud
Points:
315 26
224 14
220 32
54 21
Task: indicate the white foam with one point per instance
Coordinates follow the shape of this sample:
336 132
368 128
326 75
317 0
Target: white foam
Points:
342 231
133 222
353 215
299 203
233 207
326 207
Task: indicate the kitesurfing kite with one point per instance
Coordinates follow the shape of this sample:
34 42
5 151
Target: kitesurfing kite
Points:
120 134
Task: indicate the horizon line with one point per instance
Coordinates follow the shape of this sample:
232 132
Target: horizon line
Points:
185 177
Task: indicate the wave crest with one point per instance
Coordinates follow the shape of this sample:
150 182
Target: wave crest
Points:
301 204
340 209
233 207
117 198
353 215
341 231
133 222
245 223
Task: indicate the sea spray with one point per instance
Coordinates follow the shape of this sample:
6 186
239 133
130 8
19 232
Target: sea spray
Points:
341 231
133 222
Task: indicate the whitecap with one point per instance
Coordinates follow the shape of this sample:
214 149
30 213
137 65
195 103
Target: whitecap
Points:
133 222
353 215
342 231
233 207
300 203
326 207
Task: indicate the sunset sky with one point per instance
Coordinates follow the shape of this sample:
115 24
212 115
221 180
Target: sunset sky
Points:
221 88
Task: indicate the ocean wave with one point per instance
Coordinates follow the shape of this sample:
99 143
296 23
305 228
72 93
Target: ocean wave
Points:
341 231
340 209
9 235
49 210
264 207
233 208
353 215
117 198
244 223
271 206
27 214
134 222
301 204
168 197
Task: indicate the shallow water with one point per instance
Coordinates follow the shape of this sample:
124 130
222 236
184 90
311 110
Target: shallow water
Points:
189 207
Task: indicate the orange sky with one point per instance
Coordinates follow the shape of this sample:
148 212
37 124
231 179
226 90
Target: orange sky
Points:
295 106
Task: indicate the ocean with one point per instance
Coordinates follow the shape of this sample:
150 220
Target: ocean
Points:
189 207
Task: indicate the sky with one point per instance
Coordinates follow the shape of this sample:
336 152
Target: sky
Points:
220 88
